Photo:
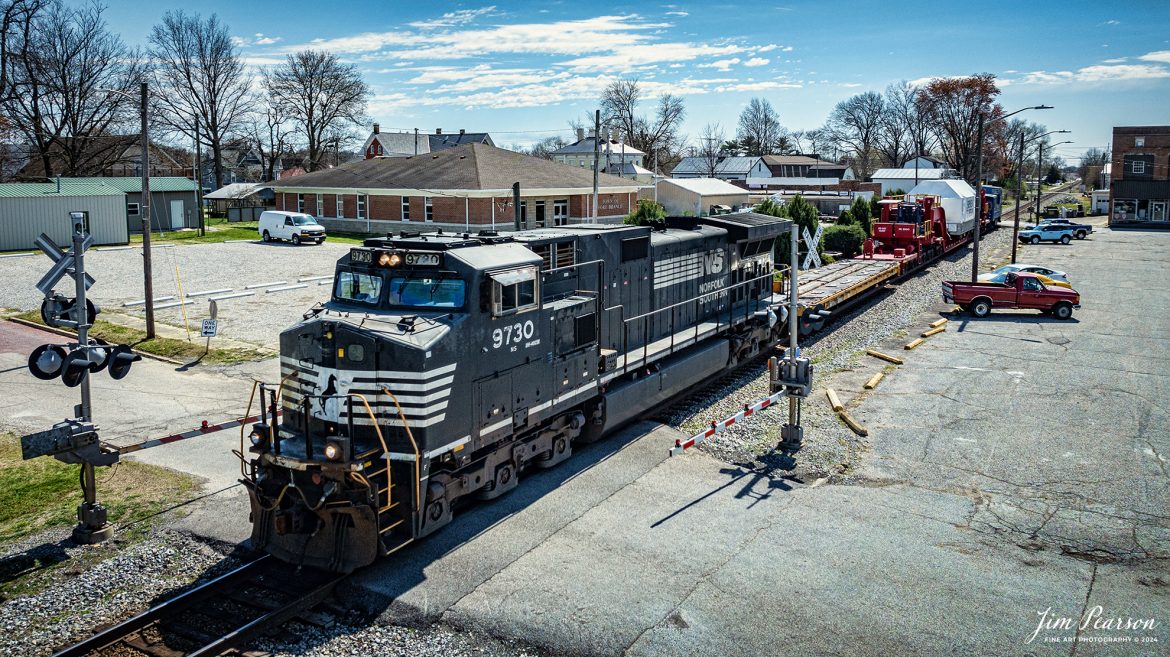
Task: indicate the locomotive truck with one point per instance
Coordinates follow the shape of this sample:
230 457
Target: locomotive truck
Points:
444 365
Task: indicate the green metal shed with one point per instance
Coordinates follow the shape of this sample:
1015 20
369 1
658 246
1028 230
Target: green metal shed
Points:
174 204
29 209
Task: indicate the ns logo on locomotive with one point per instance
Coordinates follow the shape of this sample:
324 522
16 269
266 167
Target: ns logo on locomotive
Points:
444 365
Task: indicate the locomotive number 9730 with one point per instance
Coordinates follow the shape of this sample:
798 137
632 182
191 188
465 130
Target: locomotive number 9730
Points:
513 334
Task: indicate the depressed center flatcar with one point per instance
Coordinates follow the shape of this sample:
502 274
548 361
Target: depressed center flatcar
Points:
445 364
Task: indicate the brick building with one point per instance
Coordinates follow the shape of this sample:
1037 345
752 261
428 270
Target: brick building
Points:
462 188
1139 183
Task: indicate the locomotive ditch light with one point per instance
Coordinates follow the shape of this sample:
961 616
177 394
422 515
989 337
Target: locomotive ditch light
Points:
389 259
120 359
333 451
260 435
46 361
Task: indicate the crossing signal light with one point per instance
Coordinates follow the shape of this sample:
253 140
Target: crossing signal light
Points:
46 361
75 368
120 359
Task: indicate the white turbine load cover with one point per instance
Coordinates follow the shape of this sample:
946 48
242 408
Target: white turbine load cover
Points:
958 201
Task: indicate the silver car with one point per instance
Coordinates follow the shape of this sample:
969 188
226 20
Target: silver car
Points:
1033 269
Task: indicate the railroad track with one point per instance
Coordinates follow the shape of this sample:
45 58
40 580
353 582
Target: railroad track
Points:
219 616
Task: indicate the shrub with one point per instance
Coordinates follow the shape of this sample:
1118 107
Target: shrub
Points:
846 239
647 212
846 218
861 213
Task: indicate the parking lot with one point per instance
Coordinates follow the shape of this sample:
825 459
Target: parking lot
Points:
233 266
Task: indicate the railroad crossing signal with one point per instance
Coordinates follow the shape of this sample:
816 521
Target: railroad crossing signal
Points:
62 264
812 241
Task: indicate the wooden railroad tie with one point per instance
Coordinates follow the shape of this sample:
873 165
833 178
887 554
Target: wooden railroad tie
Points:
886 357
834 401
872 383
853 424
914 343
933 331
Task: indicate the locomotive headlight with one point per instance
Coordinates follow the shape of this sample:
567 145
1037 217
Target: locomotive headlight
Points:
389 260
333 451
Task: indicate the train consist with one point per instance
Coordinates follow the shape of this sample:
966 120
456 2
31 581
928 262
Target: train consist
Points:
936 218
445 364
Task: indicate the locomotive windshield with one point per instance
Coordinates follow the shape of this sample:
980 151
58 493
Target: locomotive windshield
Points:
426 293
357 287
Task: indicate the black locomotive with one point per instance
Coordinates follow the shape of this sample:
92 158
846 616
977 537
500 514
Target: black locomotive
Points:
445 364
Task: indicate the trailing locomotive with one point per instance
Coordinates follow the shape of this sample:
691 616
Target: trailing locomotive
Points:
445 364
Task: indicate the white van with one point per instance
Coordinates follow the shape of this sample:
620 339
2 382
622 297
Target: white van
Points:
295 227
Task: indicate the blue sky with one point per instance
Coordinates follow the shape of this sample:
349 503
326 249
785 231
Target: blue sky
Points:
522 70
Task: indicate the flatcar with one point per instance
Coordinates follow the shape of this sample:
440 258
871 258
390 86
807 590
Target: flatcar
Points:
444 365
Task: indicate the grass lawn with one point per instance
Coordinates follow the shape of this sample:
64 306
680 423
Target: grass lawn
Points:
43 493
181 350
219 230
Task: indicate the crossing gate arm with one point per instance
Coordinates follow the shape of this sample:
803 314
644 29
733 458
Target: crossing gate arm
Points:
203 430
681 446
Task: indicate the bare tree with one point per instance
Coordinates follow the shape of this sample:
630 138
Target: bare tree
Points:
1091 162
657 136
16 17
545 147
760 132
855 124
710 149
319 94
270 134
200 81
954 106
66 77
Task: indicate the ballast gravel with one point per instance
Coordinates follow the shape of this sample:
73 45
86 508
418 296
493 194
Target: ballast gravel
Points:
829 446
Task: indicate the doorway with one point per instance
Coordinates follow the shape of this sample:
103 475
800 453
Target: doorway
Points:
540 214
177 218
1158 211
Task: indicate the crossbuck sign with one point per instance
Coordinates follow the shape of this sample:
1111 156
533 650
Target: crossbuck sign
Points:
63 263
811 241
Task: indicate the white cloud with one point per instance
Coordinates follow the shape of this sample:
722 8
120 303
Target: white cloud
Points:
758 86
756 61
262 40
257 39
681 14
1157 56
626 58
453 18
1097 73
768 48
1112 60
1113 22
483 76
721 64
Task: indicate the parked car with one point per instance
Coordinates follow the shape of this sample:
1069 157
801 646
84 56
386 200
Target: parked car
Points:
1080 231
1032 269
295 227
1017 291
1043 233
1002 278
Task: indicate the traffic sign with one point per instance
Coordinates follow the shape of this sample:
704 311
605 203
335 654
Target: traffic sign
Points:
210 327
63 263
812 242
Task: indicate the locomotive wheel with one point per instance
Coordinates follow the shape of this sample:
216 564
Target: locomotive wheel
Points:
559 452
504 481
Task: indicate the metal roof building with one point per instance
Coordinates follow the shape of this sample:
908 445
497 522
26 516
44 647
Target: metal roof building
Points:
29 209
695 196
174 204
904 179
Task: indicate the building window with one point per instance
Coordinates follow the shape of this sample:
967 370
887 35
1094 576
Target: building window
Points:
560 212
320 205
1139 166
300 202
132 209
430 209
361 206
1139 142
340 206
406 208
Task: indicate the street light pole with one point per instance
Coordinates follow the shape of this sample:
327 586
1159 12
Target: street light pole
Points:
1020 195
145 208
979 184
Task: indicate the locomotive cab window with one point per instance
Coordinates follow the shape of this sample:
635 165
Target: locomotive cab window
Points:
423 292
356 287
514 291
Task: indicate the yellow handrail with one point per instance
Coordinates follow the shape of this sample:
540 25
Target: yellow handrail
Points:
417 455
382 440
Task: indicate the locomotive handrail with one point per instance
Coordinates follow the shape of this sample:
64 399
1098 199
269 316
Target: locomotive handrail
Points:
417 454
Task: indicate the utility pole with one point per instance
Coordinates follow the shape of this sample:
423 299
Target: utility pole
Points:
1019 196
1039 171
148 282
416 142
978 200
199 180
596 159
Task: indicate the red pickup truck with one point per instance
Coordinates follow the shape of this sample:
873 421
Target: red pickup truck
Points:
1017 291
